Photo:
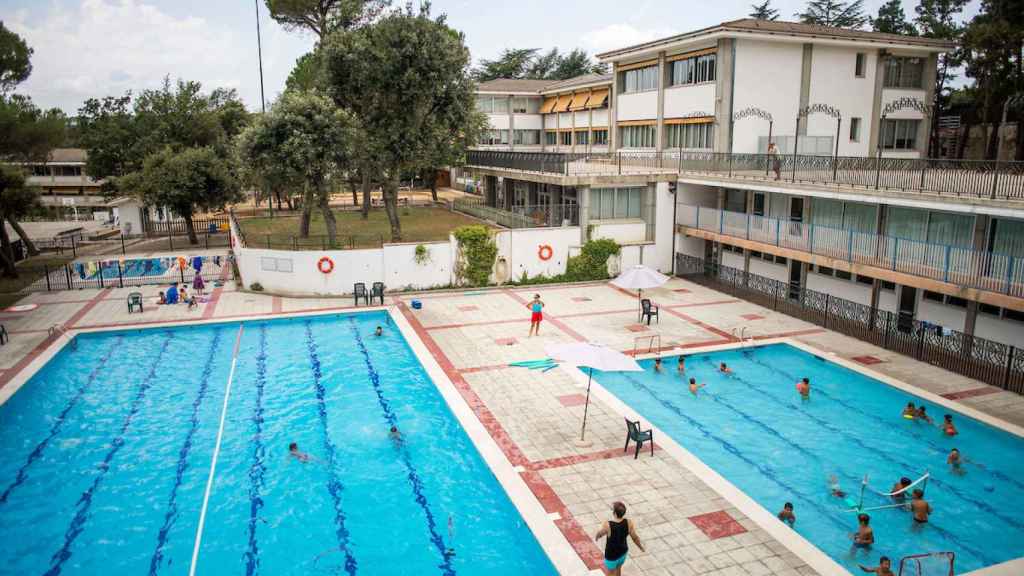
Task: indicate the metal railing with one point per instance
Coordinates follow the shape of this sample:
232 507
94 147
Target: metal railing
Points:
529 216
959 178
985 360
119 273
962 266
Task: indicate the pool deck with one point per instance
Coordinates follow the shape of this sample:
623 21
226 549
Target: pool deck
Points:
686 520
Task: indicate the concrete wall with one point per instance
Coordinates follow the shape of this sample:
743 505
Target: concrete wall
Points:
498 121
690 246
622 231
1005 331
771 270
685 100
846 289
663 227
768 77
833 82
941 314
637 106
732 260
634 254
520 250
528 121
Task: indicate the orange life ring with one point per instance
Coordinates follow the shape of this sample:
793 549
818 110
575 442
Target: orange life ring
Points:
544 252
325 265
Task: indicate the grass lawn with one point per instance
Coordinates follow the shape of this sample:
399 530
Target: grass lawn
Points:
28 272
419 224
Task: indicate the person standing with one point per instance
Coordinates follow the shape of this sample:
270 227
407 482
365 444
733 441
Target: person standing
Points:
773 155
536 307
615 547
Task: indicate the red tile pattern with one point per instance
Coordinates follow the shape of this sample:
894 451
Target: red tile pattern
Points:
637 328
572 400
211 306
469 308
276 305
867 360
581 299
751 316
717 524
972 393
549 318
707 327
574 459
505 341
681 291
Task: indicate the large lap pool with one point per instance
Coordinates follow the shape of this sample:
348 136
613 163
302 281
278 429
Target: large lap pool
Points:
108 449
753 429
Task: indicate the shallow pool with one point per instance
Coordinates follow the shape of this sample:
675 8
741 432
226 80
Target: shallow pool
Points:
753 428
109 446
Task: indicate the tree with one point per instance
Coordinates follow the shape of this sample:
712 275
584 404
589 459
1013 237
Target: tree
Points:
938 19
529 63
451 150
406 80
16 201
764 11
15 60
892 20
107 131
186 181
306 73
304 135
322 17
835 14
512 63
575 63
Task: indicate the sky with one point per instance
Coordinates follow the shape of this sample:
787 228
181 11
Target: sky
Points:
94 48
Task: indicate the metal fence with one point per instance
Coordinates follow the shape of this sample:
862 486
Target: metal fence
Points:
119 273
314 242
962 266
212 225
969 178
527 216
985 360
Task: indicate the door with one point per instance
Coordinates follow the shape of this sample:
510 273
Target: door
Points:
908 302
795 277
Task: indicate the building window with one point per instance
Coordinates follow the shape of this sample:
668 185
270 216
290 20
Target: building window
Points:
758 203
615 203
551 138
900 134
40 170
582 137
854 129
693 136
640 79
693 70
494 137
637 136
525 105
858 67
492 104
566 138
600 137
904 72
526 137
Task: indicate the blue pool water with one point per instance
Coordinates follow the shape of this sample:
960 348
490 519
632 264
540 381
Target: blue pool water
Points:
108 450
753 429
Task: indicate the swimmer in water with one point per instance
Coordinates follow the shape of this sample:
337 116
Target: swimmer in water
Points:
786 515
724 369
947 425
378 332
657 365
395 435
910 412
955 462
864 537
884 567
694 386
681 367
804 388
294 452
834 488
921 508
900 487
922 415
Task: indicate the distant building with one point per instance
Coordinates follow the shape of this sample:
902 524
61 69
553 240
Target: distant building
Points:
65 187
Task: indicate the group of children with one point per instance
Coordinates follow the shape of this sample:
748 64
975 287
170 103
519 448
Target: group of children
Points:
174 294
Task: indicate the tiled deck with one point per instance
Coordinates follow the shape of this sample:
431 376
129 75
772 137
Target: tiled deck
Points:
533 417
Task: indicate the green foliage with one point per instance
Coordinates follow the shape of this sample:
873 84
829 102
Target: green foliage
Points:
837 14
28 134
322 17
16 201
993 58
590 264
306 75
892 20
529 63
256 287
15 60
422 255
763 11
107 130
478 251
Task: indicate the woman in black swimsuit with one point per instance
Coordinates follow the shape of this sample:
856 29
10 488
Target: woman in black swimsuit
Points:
616 548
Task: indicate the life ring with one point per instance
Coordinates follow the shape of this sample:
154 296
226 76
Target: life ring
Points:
325 265
544 252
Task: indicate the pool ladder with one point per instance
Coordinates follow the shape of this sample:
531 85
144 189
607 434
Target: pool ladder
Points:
741 335
651 339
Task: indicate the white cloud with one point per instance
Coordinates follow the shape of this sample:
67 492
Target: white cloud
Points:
105 47
620 35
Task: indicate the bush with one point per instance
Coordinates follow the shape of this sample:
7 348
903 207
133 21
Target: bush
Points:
590 264
477 253
422 255
256 287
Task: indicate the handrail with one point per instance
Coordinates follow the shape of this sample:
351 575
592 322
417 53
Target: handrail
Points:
990 179
992 271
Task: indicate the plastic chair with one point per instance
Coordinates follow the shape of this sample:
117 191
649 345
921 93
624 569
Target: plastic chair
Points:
377 292
359 291
648 310
634 433
134 301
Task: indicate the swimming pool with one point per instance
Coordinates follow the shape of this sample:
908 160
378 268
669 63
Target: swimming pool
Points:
109 446
753 429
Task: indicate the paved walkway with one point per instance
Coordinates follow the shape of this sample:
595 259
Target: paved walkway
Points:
688 527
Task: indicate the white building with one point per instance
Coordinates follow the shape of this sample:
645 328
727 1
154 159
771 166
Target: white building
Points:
668 155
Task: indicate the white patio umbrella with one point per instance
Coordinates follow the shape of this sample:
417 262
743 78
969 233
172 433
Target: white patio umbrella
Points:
638 278
592 356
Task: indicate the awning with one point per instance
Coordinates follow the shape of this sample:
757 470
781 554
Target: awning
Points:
548 105
563 103
693 54
637 123
636 65
579 101
598 98
694 120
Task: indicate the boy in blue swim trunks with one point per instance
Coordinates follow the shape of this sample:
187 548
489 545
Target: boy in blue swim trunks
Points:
615 547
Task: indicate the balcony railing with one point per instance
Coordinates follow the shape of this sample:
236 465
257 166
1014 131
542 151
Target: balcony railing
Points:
962 266
960 178
529 216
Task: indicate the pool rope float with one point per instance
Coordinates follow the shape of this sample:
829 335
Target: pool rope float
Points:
21 308
542 365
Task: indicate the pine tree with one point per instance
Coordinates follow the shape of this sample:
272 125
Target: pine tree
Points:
764 11
836 14
892 20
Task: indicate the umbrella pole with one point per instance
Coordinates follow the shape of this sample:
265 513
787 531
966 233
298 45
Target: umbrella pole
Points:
586 405
639 304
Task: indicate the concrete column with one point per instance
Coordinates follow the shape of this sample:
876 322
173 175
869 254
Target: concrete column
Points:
659 129
725 76
750 211
590 129
613 103
511 125
971 318
876 108
573 149
583 199
805 83
924 130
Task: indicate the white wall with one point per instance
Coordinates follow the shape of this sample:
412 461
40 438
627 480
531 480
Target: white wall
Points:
527 121
697 195
565 118
888 300
551 121
732 260
690 246
767 76
498 121
833 82
520 250
582 119
941 314
663 228
634 254
1006 331
890 94
402 271
601 117
687 100
622 231
637 106
129 217
845 289
778 272
350 266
